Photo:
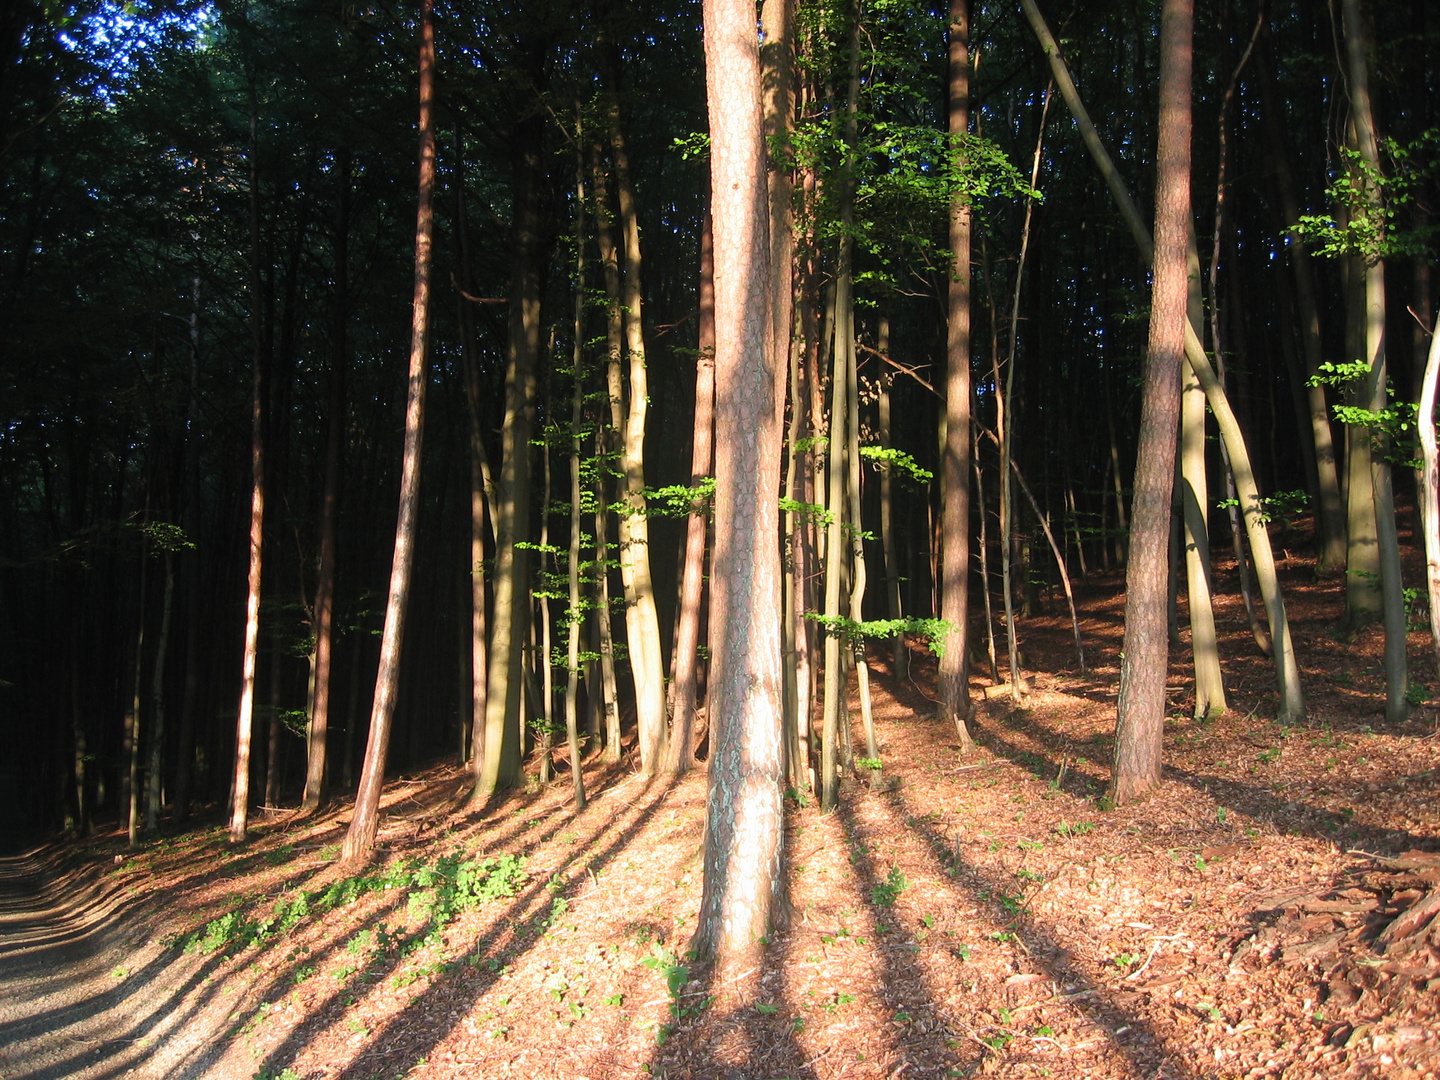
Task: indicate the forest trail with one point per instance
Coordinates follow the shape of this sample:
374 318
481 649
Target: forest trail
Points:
87 989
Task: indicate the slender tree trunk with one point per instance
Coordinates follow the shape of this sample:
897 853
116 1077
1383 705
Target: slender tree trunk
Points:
480 480
954 676
574 617
1292 706
190 568
743 896
899 650
501 767
1332 505
360 838
1375 385
240 785
858 571
1145 657
130 741
1430 487
642 624
1194 494
317 735
836 714
153 775
692 582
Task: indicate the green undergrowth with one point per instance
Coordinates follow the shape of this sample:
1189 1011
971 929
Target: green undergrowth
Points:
437 891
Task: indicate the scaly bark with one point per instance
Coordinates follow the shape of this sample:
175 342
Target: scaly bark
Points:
360 837
954 575
1139 730
743 895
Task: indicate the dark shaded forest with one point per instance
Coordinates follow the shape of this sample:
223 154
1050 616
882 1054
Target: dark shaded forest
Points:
205 232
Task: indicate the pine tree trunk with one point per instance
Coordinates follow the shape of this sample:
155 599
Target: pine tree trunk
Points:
954 575
317 733
1145 653
240 784
360 838
743 896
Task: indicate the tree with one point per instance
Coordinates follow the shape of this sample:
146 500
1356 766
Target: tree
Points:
743 894
360 838
955 464
1144 663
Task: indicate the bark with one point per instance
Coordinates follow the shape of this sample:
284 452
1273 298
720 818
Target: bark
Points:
642 624
1430 487
777 64
835 723
574 619
481 486
317 734
501 766
1194 497
360 838
899 650
743 897
1397 681
954 676
1331 509
240 784
687 637
153 774
1145 653
1292 706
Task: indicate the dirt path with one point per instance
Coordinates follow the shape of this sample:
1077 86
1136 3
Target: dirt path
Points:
87 990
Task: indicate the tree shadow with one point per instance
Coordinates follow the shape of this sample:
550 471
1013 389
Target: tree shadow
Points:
417 1029
1124 1027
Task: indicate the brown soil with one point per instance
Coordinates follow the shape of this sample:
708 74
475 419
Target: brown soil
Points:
958 916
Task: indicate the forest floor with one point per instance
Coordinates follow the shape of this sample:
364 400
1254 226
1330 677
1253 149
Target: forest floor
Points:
1264 915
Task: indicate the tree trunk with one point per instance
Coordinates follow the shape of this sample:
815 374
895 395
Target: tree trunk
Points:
1139 730
1194 496
692 582
360 838
899 650
1430 487
842 322
480 480
1397 681
743 896
240 785
317 734
1331 510
1292 705
501 767
954 675
642 624
574 617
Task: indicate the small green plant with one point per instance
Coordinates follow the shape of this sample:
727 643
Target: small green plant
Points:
1417 694
270 1072
1268 756
1013 905
1029 875
1220 815
669 966
1125 961
1030 845
868 762
765 1009
886 892
1080 828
